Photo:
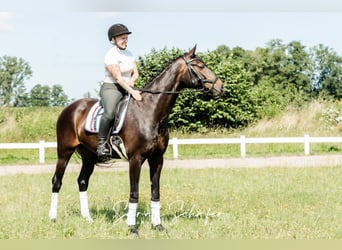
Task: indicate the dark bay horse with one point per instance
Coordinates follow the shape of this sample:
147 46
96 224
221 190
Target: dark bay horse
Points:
144 133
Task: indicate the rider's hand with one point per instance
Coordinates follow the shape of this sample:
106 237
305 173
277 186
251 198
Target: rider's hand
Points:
136 95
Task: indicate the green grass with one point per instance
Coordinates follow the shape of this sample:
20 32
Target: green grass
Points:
267 203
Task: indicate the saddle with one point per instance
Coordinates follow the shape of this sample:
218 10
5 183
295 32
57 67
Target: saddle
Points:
92 124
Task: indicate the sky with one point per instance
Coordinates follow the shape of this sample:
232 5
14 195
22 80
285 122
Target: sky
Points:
64 42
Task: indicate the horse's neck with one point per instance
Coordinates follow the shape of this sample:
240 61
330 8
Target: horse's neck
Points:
167 80
163 103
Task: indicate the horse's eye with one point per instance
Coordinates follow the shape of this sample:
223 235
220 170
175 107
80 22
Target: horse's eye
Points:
200 65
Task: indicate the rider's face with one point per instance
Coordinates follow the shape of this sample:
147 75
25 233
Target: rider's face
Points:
121 41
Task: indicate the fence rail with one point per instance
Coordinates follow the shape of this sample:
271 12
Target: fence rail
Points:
41 146
242 140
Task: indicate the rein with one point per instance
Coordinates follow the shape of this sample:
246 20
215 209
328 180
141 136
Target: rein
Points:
156 91
192 72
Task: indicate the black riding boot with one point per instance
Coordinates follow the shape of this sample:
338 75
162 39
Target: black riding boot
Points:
103 151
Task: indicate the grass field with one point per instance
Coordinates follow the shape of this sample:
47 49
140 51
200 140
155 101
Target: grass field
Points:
266 203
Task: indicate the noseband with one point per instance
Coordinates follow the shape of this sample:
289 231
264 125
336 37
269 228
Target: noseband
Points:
197 78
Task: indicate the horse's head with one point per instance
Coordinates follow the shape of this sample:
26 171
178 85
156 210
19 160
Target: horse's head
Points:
199 76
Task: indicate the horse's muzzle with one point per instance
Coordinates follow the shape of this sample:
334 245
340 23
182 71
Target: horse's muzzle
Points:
217 90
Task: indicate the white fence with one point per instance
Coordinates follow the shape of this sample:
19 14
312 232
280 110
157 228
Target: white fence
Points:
42 145
242 140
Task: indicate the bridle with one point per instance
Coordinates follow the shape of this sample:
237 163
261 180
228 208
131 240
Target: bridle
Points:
198 78
192 72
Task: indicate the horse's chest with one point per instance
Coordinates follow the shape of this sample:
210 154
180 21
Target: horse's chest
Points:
157 139
158 143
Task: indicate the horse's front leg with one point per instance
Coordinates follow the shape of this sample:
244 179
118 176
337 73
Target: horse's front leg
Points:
134 176
156 165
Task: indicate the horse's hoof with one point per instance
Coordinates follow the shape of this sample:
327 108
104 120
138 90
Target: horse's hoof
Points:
54 220
133 231
158 227
89 219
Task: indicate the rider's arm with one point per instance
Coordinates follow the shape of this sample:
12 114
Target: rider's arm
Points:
134 75
114 70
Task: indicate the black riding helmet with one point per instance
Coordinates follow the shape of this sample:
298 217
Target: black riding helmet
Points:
117 30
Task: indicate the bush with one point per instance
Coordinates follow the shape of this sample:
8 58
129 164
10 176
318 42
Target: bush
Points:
194 111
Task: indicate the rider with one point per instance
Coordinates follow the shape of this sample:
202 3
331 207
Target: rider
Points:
120 74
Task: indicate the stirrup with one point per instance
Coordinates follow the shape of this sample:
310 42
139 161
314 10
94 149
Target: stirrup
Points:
102 150
103 158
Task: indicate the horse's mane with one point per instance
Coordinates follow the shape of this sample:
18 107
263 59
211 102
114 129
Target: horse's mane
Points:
153 79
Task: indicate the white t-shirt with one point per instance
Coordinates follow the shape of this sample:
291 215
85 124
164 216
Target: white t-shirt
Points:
124 58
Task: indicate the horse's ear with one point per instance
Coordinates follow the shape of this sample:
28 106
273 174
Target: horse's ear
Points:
192 52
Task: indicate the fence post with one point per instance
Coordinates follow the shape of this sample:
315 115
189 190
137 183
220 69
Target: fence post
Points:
41 152
175 147
306 145
243 145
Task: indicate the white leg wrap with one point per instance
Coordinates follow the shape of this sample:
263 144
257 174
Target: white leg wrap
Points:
53 207
155 213
84 206
131 214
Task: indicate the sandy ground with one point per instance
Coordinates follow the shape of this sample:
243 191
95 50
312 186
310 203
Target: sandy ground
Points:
247 162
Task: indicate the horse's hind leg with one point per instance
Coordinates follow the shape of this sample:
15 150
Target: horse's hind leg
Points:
62 162
88 163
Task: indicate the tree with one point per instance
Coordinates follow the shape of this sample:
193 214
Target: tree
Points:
22 98
58 97
13 72
298 64
40 95
45 96
326 72
280 76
